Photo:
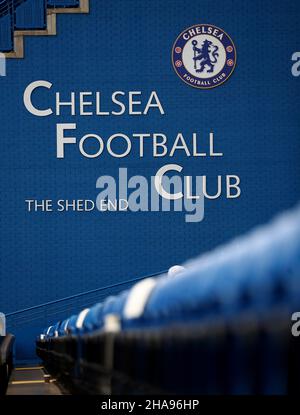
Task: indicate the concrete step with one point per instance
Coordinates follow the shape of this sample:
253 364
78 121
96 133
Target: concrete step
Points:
32 380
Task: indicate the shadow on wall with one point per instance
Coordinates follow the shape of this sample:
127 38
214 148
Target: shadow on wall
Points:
25 344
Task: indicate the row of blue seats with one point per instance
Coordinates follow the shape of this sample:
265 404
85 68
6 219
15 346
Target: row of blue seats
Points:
89 319
25 15
222 325
251 274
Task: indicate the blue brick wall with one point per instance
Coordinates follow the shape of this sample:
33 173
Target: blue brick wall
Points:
122 46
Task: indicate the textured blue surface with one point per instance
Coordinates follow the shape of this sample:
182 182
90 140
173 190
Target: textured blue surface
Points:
128 46
6 37
31 15
63 3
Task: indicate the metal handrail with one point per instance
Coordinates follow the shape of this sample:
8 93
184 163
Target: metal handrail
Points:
7 5
75 296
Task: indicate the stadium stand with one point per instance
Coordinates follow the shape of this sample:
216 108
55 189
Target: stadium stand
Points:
222 325
19 18
6 355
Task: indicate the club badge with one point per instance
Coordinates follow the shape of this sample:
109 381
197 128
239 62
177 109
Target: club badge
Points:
204 56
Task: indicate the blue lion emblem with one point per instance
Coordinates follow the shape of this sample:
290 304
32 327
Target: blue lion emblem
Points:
207 55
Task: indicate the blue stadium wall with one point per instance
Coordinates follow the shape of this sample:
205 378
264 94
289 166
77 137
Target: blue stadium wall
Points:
126 45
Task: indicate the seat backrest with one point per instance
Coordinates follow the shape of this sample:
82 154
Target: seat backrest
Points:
2 325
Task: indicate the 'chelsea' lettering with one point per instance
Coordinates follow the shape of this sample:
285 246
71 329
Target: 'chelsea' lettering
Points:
203 30
93 103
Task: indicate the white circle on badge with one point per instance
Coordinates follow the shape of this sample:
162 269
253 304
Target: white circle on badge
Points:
208 44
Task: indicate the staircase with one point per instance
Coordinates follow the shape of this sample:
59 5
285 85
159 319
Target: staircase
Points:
19 18
32 380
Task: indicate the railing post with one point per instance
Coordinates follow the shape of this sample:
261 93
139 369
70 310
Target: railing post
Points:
2 64
2 325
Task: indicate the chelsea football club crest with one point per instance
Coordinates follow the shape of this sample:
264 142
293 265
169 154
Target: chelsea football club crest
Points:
204 56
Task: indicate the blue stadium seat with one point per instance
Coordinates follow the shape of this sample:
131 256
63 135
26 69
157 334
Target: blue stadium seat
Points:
93 320
71 327
62 331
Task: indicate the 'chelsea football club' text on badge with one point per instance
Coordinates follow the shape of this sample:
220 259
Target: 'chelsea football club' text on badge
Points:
204 56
